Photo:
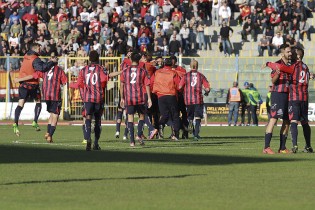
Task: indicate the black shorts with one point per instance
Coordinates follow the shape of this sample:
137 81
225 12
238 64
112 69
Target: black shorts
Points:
54 107
140 109
279 105
28 90
155 104
298 110
195 110
93 108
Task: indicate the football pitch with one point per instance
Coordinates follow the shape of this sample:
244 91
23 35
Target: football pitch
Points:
224 170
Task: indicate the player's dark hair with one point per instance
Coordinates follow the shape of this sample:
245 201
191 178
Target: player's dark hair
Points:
34 45
300 51
168 62
135 57
173 57
283 47
94 57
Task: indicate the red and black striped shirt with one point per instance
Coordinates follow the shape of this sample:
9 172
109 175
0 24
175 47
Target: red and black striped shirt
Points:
192 82
93 78
299 82
135 80
52 80
282 84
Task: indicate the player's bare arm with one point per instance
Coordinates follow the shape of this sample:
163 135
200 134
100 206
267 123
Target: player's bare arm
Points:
17 80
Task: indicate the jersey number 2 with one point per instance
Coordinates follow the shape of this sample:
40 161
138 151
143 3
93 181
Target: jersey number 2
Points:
133 76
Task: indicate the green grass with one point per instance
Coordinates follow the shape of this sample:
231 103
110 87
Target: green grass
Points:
225 170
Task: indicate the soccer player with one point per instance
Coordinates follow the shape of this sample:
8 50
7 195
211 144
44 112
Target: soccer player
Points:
192 83
135 83
93 79
30 88
279 103
181 102
120 111
298 98
165 86
51 93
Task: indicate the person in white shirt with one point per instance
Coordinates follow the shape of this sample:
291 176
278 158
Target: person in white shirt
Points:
166 24
85 16
225 13
215 12
118 9
184 32
277 41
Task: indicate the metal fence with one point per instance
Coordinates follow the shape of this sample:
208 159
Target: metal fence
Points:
220 71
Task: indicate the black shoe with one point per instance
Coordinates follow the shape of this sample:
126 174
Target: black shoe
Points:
88 146
96 147
308 150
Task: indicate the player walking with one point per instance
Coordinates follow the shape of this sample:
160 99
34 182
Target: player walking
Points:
135 82
192 83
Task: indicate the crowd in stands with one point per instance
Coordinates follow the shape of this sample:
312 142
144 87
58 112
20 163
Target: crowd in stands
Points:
111 27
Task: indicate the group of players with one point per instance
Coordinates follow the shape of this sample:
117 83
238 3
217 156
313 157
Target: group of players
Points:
158 90
161 92
289 99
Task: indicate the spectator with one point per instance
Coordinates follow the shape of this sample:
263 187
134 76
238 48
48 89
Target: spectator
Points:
175 47
244 13
5 29
248 28
16 29
184 33
277 41
143 40
264 44
295 29
215 12
201 35
304 30
225 13
289 40
43 13
225 38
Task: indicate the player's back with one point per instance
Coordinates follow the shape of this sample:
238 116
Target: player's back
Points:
92 76
51 83
194 81
299 82
134 84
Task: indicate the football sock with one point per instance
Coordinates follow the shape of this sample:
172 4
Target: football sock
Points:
118 127
283 141
307 134
84 131
140 127
37 110
48 128
126 131
131 131
97 134
52 130
268 137
148 123
87 130
17 114
197 127
294 133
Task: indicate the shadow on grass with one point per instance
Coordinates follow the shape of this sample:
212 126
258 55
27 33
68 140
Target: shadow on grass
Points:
102 179
26 154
